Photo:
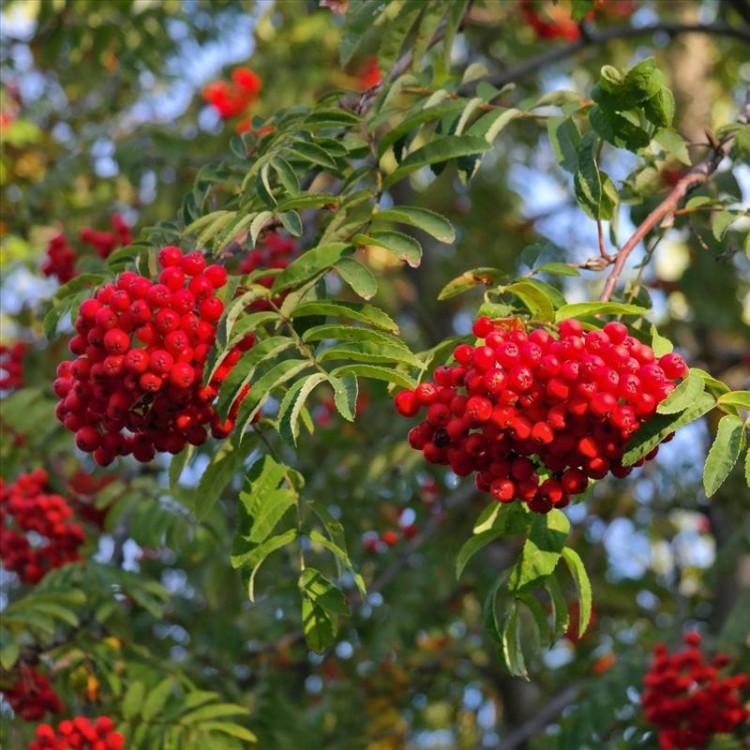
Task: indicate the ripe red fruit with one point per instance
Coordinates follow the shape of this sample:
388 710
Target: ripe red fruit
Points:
210 309
479 409
169 256
390 537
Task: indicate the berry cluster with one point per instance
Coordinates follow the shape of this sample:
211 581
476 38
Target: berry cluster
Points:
48 518
61 259
556 23
31 696
231 99
369 75
272 251
11 365
689 701
522 404
135 387
105 242
79 733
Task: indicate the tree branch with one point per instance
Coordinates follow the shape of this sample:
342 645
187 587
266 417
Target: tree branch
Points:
596 38
543 716
696 176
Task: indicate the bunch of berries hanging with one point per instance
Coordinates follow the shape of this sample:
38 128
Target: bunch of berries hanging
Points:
689 701
38 531
11 365
135 386
233 98
61 259
521 405
272 251
79 733
31 695
105 242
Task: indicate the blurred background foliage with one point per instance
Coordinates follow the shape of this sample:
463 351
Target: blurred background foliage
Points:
102 112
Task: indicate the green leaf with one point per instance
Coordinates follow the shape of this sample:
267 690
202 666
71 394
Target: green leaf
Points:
589 181
541 551
370 352
254 558
10 650
133 700
560 611
721 223
416 117
225 463
313 153
659 109
659 426
357 276
233 730
437 151
724 453
643 81
376 372
403 246
396 20
312 263
747 468
292 404
740 399
659 343
322 602
682 396
432 15
583 587
287 175
345 391
484 276
157 698
212 711
566 140
345 332
674 144
558 269
585 309
535 297
511 642
362 313
431 223
280 373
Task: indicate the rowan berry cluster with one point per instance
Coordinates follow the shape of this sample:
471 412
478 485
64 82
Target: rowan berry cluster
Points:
105 242
11 365
233 98
55 536
272 251
31 696
555 21
689 701
135 386
519 405
61 259
79 733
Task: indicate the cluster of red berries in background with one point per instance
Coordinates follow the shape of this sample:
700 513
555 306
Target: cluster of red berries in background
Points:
11 365
689 701
520 404
31 696
141 347
61 259
79 733
38 531
369 74
230 99
273 250
105 242
555 22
